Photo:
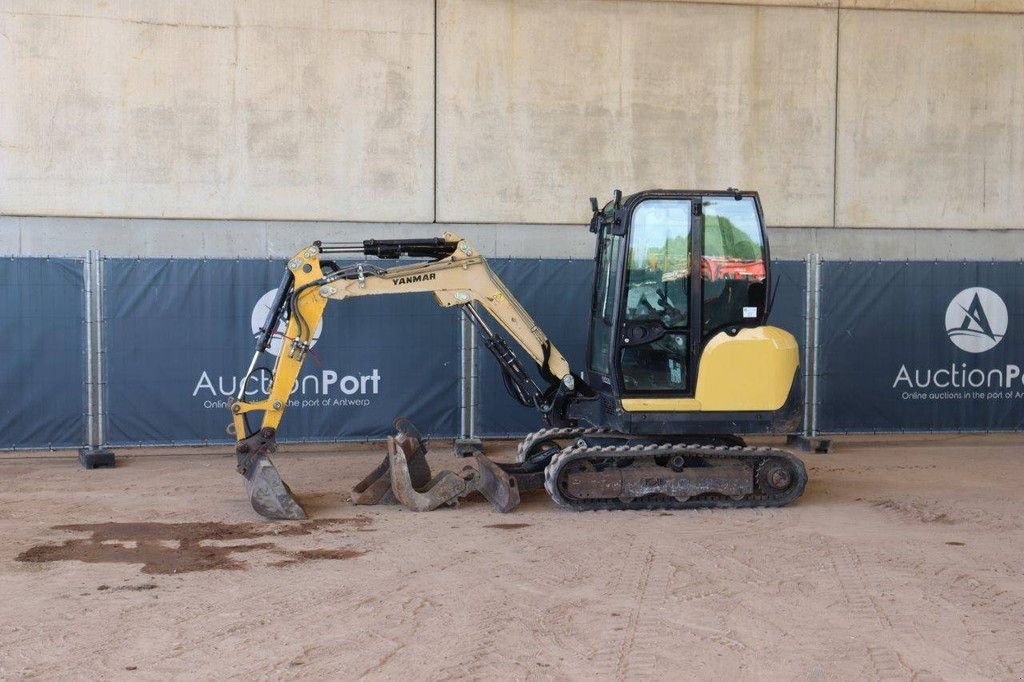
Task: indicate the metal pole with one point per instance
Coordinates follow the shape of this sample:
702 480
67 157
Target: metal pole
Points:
94 455
808 284
101 380
817 337
467 443
473 381
464 395
90 382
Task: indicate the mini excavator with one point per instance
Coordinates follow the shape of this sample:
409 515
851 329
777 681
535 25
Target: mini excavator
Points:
680 360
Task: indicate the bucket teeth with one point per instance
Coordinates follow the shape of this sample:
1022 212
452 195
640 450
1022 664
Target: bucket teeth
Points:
269 495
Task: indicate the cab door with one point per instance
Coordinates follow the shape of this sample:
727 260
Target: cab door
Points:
694 267
657 325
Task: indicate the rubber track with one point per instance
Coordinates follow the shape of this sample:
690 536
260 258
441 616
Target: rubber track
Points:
753 454
573 432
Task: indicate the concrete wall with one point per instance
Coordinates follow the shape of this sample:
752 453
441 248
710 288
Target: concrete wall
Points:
635 94
206 108
239 118
931 120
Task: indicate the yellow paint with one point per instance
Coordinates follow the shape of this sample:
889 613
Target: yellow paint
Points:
752 371
661 405
286 370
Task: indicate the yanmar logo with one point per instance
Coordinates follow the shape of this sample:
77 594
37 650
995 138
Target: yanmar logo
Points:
976 320
414 278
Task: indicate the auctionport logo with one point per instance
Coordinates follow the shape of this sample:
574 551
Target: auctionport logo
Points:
976 320
259 316
320 387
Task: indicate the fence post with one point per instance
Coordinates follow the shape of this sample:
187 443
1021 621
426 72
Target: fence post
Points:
467 443
90 381
815 361
94 454
808 320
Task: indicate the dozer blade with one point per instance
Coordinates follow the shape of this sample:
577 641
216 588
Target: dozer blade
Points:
269 495
496 485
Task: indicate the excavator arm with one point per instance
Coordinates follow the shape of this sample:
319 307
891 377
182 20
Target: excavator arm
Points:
457 276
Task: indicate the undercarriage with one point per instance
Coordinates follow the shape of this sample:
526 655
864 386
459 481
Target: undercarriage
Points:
597 469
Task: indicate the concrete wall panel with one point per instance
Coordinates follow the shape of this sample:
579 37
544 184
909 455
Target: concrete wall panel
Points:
1007 6
534 116
764 3
269 109
983 6
931 120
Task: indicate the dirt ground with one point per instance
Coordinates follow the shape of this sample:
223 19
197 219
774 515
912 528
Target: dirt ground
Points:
901 561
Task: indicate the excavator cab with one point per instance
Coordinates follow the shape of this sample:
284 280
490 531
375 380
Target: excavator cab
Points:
680 360
678 317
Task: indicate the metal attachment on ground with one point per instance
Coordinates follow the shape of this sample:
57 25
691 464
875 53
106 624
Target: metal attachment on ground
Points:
269 495
404 477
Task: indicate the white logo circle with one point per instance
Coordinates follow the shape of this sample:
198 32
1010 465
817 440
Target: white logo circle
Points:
976 320
259 316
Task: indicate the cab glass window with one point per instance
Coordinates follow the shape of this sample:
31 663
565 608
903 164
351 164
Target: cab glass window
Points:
732 267
656 347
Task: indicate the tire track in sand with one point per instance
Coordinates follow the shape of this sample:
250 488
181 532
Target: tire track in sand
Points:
870 619
628 650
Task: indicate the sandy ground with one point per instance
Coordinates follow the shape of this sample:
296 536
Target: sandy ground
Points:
901 561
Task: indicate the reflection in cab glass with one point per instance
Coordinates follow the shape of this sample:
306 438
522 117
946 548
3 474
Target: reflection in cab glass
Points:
732 267
656 343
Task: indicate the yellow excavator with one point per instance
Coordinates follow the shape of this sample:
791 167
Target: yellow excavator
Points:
679 361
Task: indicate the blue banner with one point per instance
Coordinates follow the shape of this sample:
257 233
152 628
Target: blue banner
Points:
42 352
921 346
557 294
788 300
179 336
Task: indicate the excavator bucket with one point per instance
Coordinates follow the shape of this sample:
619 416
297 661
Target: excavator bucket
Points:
404 477
269 495
376 488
